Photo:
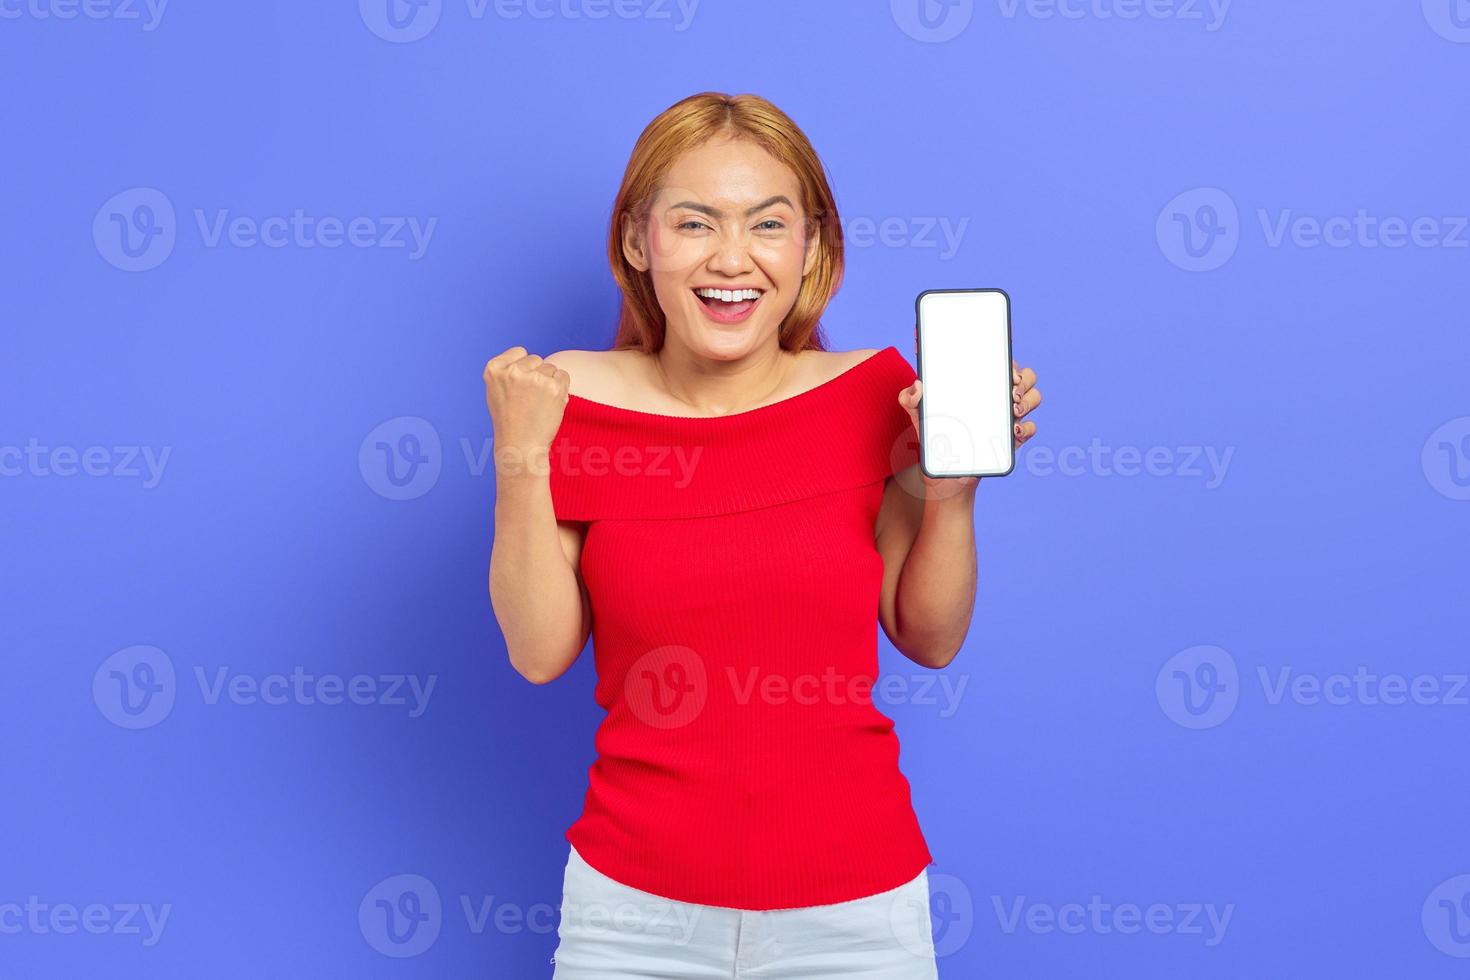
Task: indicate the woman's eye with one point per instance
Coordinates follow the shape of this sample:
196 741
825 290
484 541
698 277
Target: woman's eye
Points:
770 224
691 224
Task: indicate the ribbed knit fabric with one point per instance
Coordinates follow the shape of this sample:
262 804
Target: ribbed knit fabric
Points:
734 582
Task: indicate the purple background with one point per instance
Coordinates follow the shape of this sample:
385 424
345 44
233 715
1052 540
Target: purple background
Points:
1075 763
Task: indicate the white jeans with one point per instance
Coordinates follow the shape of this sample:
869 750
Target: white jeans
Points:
609 931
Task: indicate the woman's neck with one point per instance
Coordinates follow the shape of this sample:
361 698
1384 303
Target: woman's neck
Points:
713 387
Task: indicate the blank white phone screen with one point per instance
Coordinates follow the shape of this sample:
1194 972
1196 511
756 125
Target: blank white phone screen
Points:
964 363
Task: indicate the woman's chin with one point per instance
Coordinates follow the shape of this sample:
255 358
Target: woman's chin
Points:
724 341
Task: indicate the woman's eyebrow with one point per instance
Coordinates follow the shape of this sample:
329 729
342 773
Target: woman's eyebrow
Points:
717 213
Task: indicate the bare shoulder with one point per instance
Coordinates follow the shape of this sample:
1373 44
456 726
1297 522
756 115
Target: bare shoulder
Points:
600 375
834 362
858 356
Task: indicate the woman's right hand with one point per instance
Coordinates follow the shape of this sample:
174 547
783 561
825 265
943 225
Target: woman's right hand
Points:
527 396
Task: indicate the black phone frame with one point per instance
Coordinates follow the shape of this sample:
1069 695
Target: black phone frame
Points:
1010 403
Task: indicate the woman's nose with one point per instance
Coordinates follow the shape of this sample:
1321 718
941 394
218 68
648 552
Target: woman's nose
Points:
732 254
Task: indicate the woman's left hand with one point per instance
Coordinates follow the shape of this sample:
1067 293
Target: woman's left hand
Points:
1025 396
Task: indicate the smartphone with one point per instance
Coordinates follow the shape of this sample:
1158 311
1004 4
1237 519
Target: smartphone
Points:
963 341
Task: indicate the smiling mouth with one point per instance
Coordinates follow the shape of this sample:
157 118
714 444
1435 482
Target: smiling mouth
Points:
729 303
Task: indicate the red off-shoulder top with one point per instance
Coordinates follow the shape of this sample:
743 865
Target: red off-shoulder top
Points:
734 583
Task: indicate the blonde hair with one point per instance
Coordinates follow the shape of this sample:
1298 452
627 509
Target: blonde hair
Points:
691 123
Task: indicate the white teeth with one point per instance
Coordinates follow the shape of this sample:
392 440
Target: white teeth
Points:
729 295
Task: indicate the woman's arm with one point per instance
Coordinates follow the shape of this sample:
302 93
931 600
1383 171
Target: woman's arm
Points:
536 587
929 569
925 534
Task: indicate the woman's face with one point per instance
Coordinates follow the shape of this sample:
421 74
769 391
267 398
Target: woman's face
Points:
728 217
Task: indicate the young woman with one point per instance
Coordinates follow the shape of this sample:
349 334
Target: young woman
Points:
725 506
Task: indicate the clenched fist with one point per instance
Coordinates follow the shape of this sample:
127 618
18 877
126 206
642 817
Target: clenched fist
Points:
526 395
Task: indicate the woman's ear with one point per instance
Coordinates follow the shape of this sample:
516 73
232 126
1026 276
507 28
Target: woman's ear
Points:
813 246
633 249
